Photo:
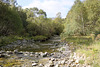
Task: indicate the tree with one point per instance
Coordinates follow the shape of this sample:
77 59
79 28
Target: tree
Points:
76 19
58 25
93 10
41 12
10 22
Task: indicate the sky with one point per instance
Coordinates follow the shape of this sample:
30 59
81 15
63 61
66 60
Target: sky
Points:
51 7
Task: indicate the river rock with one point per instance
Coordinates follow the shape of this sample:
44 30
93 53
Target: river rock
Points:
20 53
44 54
2 55
15 51
32 41
26 53
49 65
9 52
52 59
1 52
31 55
77 61
63 61
56 65
18 42
34 64
41 65
56 44
24 41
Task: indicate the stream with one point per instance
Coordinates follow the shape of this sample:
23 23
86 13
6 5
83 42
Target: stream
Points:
31 51
46 46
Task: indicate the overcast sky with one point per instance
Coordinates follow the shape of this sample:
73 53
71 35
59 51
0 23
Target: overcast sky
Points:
51 7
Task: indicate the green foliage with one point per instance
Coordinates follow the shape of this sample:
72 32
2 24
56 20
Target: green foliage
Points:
17 23
83 18
93 11
10 22
41 25
4 40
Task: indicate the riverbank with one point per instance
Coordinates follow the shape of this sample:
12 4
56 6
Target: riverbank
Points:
32 45
92 53
5 40
88 47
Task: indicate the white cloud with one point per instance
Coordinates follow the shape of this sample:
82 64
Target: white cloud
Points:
52 7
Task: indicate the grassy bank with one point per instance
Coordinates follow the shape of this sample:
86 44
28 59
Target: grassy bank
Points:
85 45
92 53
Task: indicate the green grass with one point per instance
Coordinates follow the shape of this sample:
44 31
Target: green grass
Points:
78 41
86 45
93 52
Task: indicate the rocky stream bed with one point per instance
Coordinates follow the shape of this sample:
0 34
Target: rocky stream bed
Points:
56 54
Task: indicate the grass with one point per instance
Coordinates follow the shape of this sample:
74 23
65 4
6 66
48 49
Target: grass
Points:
85 45
92 52
78 41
